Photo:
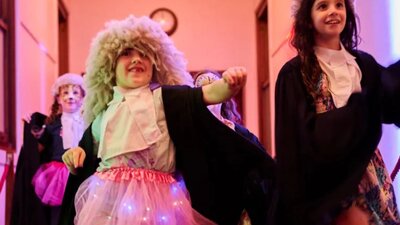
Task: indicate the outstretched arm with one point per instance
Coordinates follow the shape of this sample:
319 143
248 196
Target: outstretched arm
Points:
233 79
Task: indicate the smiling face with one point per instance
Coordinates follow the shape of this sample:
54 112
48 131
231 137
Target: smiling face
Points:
133 69
70 98
329 19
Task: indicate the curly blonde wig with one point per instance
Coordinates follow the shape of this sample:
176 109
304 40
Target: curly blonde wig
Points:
142 34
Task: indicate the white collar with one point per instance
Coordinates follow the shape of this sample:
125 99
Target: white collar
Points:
75 115
122 93
342 71
334 57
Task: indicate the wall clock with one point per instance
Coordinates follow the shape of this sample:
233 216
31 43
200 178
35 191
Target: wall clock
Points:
166 18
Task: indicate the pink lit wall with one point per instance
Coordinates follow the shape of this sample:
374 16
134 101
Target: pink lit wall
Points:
2 153
37 56
279 15
37 66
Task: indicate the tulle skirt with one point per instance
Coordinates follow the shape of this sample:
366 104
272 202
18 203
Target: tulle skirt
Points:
50 181
124 195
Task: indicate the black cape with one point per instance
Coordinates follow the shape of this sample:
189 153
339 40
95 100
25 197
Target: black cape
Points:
26 206
322 157
224 171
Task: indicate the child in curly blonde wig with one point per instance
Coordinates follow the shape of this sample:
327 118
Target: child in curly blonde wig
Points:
136 33
142 132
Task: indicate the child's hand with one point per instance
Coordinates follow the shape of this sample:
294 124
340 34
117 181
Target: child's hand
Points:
235 77
73 158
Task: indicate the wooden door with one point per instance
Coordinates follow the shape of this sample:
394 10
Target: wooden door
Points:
263 85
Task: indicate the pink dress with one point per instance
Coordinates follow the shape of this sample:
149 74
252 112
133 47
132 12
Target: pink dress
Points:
50 181
134 185
126 195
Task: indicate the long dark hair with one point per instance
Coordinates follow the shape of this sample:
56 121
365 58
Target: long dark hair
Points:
303 40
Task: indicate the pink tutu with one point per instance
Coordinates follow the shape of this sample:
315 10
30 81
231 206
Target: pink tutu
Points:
49 182
124 195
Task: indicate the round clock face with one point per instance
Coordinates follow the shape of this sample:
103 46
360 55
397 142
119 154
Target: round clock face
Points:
166 18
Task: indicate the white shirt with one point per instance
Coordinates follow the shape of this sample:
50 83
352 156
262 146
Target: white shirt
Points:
343 73
133 131
72 129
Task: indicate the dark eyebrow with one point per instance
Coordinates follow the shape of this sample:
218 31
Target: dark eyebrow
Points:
320 2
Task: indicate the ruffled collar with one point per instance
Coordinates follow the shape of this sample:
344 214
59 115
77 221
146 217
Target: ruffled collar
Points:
334 57
77 116
342 71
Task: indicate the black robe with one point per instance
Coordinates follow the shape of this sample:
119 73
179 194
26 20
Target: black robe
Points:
26 206
52 139
322 157
220 166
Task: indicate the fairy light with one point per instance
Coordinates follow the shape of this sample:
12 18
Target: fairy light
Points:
174 189
163 219
128 206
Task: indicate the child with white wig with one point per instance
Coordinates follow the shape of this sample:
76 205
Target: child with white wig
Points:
62 130
143 131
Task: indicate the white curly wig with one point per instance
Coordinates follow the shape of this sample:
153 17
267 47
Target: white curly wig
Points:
296 6
142 34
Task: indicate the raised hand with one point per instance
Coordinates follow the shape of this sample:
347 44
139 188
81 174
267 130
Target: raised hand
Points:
235 77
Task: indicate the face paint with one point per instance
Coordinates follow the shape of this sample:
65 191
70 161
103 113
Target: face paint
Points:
70 98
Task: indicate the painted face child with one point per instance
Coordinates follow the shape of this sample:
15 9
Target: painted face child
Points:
68 92
70 98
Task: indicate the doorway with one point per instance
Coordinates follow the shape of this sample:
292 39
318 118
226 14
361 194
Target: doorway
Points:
7 103
263 83
63 46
